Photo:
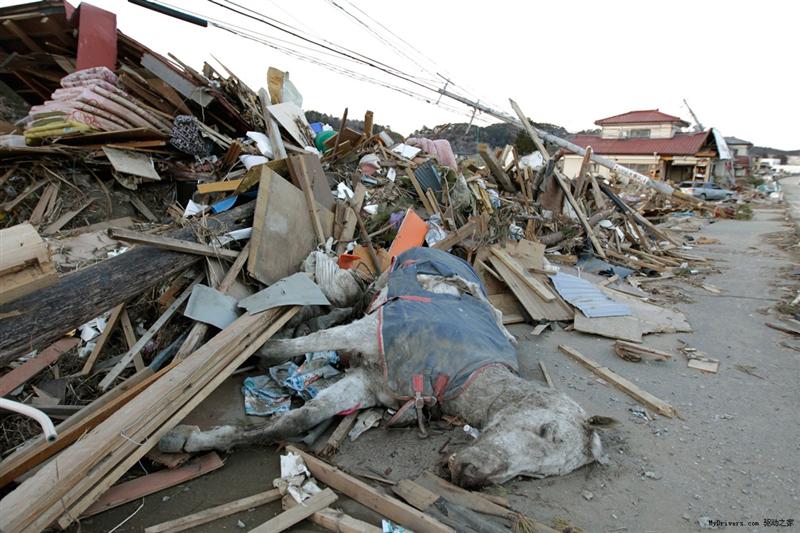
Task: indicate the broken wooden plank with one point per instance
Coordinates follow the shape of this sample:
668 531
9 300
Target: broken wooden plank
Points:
218 186
416 495
537 286
292 516
41 206
338 435
170 460
168 243
537 308
495 168
465 498
25 264
334 520
20 375
64 219
634 352
101 341
420 192
215 513
546 375
114 373
455 237
142 208
621 383
391 508
783 326
151 483
350 221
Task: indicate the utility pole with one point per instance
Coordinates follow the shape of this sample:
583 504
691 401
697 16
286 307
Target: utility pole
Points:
697 125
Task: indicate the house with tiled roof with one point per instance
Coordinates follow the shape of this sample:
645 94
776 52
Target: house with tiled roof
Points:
741 151
652 143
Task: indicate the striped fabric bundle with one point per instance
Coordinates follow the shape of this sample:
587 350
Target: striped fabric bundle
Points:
89 101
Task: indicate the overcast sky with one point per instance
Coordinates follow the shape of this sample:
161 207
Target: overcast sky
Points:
568 63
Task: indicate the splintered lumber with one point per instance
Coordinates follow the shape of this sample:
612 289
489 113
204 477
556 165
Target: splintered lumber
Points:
455 237
140 487
25 264
75 426
215 513
283 235
391 508
535 306
426 203
301 176
102 339
338 435
64 219
292 516
94 290
537 286
34 365
170 460
621 383
167 243
136 349
634 352
333 520
495 168
587 227
199 329
73 480
350 221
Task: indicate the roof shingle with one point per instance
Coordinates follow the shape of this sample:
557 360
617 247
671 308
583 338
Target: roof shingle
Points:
641 116
680 144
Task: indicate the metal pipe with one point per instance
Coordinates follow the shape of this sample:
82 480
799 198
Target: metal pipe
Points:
31 412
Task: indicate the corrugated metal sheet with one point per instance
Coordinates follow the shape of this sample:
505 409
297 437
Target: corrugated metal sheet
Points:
588 298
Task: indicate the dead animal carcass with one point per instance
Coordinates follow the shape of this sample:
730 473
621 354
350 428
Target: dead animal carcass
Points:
431 337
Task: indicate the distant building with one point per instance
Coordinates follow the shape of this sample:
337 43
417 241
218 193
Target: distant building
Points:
651 143
741 155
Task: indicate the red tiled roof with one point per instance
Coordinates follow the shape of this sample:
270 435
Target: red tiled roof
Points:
637 117
680 144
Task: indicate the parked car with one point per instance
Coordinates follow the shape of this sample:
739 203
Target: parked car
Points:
705 190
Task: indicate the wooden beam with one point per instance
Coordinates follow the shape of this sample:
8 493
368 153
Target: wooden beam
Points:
536 286
215 513
495 168
218 186
350 221
102 339
455 237
168 243
621 383
311 203
583 173
273 131
292 516
333 520
140 487
114 373
22 35
391 508
338 435
598 248
130 337
422 196
20 375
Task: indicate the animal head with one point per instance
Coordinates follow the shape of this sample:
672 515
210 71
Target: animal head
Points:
528 441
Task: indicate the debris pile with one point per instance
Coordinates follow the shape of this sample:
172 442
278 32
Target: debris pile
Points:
191 218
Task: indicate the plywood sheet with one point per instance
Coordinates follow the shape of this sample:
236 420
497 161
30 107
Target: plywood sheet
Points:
283 234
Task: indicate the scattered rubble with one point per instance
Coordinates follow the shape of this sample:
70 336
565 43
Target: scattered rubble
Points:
160 224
